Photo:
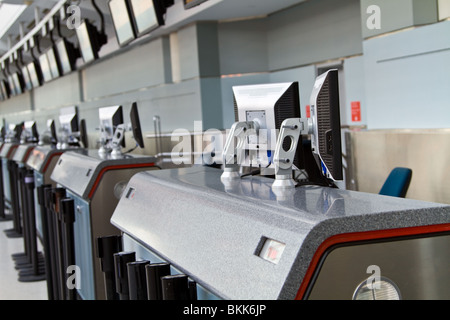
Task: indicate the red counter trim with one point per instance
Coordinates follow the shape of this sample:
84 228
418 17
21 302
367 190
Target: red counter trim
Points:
363 236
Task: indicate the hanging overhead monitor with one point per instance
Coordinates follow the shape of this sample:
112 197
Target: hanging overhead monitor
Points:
26 79
192 3
18 83
67 54
147 15
90 41
5 89
53 63
123 24
45 67
35 73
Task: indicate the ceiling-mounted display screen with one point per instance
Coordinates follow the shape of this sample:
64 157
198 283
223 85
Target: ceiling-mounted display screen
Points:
53 63
45 67
18 83
86 35
147 15
27 79
67 56
192 3
35 74
123 24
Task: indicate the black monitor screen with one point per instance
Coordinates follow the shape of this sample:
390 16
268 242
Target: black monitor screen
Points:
136 126
12 89
34 73
66 57
85 38
147 15
45 67
5 89
27 79
18 82
123 25
53 62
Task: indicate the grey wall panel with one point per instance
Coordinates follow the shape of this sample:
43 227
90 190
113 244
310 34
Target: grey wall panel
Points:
243 46
16 104
139 68
64 91
314 31
188 52
407 84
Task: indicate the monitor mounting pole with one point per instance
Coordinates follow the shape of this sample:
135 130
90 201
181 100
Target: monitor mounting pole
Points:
291 129
232 153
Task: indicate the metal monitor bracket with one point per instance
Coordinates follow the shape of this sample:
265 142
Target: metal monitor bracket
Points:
119 135
291 131
234 153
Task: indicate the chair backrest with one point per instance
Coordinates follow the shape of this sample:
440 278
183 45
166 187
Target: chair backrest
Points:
397 183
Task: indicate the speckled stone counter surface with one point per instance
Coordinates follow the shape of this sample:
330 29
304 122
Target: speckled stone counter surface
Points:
213 232
78 170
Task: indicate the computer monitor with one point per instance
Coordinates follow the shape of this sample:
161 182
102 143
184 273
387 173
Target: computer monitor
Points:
18 83
68 120
147 15
67 54
268 105
320 152
51 127
5 89
45 67
26 78
90 41
30 132
35 73
188 4
123 24
53 62
136 126
326 125
84 139
110 118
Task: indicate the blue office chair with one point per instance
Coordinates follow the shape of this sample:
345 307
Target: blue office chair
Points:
397 183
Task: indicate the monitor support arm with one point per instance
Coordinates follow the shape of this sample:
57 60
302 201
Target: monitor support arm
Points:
291 129
119 136
232 153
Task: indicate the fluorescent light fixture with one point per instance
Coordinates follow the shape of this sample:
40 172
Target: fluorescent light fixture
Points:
9 13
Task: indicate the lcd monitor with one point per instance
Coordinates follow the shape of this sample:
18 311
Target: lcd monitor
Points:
53 63
90 41
5 89
268 105
110 119
136 126
68 120
18 83
26 78
147 15
326 123
123 24
35 73
45 67
67 55
31 132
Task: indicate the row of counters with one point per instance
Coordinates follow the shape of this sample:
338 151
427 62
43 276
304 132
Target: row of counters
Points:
239 240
